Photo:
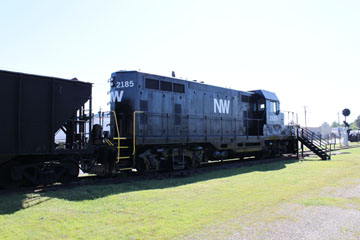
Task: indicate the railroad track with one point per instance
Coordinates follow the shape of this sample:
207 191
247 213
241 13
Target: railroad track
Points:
134 177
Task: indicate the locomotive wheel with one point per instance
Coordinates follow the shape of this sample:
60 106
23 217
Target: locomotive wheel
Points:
259 156
140 166
189 164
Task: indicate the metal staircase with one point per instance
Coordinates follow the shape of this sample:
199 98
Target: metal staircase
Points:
314 142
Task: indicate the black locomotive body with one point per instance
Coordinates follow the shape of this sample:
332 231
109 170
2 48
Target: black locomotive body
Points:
156 123
174 124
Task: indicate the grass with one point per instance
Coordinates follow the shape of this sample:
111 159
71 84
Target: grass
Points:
351 144
171 208
325 201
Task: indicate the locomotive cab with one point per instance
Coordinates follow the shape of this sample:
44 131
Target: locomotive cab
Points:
268 110
122 104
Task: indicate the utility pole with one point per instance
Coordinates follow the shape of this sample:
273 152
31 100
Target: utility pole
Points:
288 117
297 119
305 116
339 130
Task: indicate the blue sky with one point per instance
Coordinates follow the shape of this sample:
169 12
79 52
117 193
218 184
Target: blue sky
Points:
307 52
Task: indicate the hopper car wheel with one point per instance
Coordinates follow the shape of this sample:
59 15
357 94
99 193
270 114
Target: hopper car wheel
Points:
7 180
71 172
32 175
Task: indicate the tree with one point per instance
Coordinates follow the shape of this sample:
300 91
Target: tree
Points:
334 124
357 121
353 126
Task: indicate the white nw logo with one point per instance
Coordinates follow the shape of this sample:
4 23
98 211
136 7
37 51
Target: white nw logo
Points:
222 106
116 96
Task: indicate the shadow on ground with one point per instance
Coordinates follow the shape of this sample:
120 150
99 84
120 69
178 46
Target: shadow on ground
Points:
10 203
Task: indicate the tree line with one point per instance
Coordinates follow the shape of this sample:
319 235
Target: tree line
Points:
354 125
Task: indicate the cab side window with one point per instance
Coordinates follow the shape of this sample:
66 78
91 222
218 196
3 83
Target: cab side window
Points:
261 105
274 107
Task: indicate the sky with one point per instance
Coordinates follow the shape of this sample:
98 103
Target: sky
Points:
307 52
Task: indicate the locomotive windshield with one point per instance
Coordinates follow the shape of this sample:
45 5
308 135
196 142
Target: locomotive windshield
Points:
274 107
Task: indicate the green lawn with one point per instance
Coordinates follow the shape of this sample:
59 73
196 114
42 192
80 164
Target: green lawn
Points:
170 208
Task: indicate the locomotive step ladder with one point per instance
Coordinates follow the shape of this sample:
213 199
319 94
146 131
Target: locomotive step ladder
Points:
119 147
314 142
118 139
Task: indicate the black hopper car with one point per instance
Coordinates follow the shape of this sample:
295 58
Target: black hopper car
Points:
354 136
157 123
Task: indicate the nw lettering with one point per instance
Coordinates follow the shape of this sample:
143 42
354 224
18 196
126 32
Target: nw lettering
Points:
222 106
116 96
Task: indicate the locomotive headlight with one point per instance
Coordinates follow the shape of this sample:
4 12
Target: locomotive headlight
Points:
111 80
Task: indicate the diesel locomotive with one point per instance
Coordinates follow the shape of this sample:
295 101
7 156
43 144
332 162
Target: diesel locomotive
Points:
157 123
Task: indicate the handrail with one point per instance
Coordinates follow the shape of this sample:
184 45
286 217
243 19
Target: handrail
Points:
134 130
314 137
187 117
320 143
116 123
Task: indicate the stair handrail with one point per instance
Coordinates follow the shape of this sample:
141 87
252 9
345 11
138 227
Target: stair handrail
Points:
315 139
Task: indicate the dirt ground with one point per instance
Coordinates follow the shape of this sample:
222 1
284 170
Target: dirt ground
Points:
332 213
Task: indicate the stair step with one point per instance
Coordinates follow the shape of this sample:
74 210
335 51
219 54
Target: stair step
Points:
315 144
